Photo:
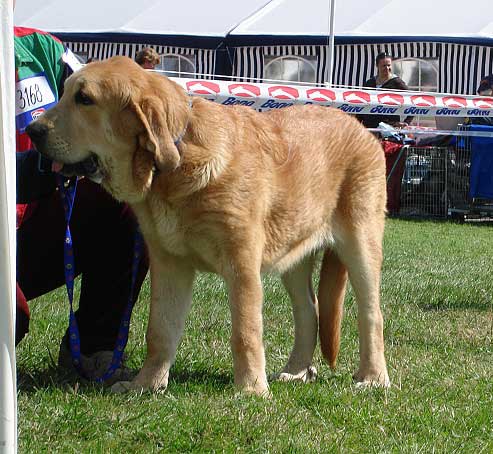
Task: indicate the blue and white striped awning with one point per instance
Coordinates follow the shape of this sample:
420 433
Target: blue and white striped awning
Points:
461 66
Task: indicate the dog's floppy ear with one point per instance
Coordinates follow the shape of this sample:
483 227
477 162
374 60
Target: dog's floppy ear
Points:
156 138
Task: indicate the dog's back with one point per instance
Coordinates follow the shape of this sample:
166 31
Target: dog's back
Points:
318 170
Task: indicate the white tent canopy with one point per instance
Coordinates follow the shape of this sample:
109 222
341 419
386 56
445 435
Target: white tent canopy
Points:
218 18
415 18
212 18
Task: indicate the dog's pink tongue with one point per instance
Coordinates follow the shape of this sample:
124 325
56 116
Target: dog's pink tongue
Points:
56 166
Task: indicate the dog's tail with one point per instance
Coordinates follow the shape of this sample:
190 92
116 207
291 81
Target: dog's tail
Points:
331 292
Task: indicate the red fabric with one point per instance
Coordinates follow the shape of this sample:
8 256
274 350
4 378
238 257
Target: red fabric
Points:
19 32
21 301
392 150
22 315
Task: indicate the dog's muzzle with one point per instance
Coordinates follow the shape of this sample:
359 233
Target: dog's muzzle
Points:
89 167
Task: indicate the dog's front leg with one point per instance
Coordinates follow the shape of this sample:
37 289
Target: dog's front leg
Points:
171 296
245 299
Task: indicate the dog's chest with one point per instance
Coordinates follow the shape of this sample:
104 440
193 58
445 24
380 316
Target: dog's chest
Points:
163 224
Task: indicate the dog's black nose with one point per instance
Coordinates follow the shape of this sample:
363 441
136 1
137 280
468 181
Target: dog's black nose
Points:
37 131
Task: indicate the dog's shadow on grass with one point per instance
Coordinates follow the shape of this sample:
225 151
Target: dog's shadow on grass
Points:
32 381
29 381
201 376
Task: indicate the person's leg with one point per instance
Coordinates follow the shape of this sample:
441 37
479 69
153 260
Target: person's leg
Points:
39 257
40 249
103 234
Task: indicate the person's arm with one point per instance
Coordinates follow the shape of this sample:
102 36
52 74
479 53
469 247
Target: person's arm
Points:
32 184
35 179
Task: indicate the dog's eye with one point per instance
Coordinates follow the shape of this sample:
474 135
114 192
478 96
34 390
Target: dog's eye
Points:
82 98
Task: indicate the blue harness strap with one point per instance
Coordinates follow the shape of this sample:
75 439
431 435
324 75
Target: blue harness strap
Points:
67 191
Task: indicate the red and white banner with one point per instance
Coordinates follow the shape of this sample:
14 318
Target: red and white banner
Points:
263 96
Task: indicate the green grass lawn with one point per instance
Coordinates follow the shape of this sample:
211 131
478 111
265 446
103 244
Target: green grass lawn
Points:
437 300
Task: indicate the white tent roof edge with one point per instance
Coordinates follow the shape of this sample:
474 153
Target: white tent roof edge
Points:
390 18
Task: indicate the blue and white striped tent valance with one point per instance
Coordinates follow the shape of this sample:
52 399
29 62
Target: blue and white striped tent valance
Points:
204 58
248 64
460 66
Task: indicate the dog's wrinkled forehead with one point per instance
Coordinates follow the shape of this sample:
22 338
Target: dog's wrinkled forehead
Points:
78 82
95 87
107 80
116 76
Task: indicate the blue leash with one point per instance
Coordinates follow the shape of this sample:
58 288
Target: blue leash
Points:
67 192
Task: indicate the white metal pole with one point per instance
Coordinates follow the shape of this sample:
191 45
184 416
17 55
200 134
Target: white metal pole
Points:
8 401
331 41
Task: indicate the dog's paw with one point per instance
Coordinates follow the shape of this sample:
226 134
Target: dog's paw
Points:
364 381
307 375
121 387
254 386
362 385
259 391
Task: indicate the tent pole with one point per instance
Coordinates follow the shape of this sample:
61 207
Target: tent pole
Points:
8 403
332 4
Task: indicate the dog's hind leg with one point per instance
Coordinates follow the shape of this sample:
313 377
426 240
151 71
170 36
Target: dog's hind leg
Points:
298 283
360 249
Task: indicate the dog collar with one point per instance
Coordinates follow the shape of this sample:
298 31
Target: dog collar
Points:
179 139
182 134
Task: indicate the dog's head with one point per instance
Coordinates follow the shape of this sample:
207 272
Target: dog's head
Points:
115 123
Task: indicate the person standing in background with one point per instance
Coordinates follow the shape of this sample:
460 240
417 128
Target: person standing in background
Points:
485 88
148 58
387 80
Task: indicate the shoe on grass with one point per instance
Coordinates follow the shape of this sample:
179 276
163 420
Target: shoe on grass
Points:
94 365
